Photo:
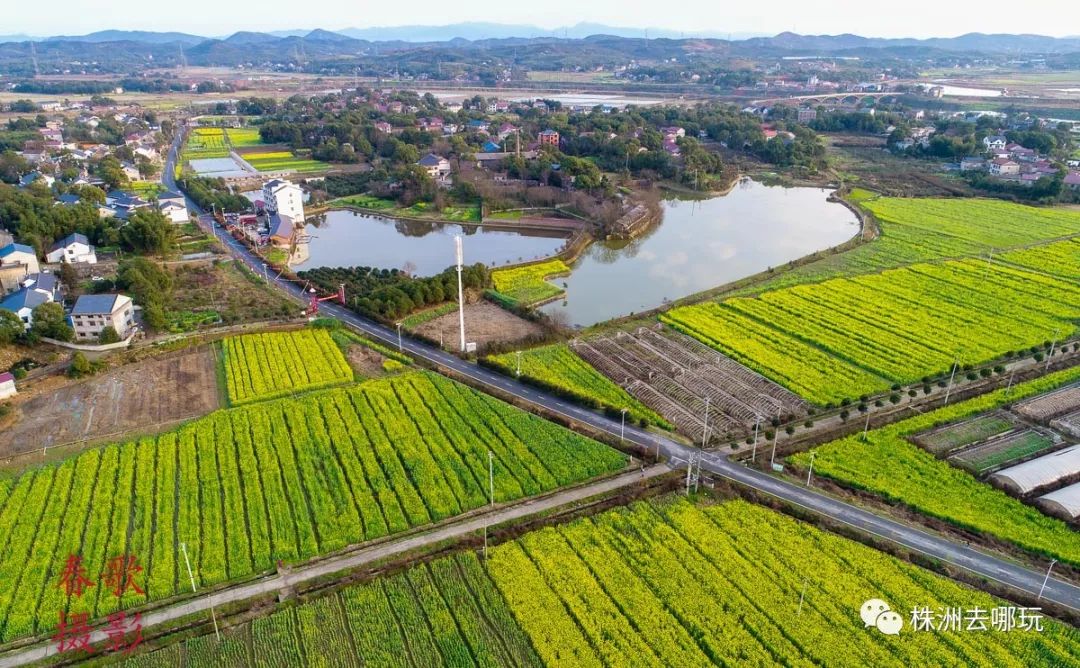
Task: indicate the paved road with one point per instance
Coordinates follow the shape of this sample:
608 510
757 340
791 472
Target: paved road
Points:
943 549
270 586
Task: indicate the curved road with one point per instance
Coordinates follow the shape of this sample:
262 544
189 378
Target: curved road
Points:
945 550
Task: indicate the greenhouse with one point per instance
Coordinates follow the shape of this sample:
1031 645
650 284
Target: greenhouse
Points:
1065 502
1045 470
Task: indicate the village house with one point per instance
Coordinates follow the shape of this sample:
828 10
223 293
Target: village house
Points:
1004 167
437 167
93 313
548 138
1072 180
74 248
972 164
23 302
995 142
805 115
19 255
1018 152
122 204
384 127
173 206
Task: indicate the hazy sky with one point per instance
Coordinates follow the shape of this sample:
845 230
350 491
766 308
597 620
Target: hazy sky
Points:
911 18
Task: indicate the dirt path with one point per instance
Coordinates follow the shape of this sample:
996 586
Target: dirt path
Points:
277 583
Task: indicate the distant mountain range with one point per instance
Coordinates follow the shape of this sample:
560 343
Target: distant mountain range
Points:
478 31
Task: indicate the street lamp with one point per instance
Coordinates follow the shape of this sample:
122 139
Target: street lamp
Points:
811 471
622 425
398 336
519 364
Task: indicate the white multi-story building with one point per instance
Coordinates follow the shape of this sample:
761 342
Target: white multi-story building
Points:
93 313
284 198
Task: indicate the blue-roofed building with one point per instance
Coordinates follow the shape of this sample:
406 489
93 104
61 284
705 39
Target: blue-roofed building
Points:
45 283
93 313
491 147
68 199
72 249
14 255
23 302
36 177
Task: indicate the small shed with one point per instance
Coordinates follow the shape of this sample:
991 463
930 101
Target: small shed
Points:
7 385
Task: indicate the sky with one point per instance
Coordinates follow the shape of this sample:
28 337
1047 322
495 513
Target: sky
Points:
911 18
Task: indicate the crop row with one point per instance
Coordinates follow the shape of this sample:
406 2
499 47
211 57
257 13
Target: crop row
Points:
661 583
846 337
527 284
1061 260
268 365
445 613
671 583
558 369
926 229
284 480
887 464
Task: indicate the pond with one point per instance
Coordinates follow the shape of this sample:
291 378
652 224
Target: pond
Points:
701 244
349 239
697 245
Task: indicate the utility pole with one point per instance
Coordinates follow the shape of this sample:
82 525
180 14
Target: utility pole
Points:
1050 354
705 432
191 577
622 424
519 364
866 427
460 290
398 336
1046 579
948 390
757 423
491 496
811 471
802 595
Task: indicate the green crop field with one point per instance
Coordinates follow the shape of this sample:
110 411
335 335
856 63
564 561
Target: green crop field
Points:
662 583
278 161
556 367
364 202
848 336
942 440
1061 260
926 229
888 465
527 285
274 364
444 613
205 143
244 137
1014 446
284 480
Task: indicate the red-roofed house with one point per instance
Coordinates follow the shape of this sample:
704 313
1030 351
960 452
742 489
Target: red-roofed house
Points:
1072 180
